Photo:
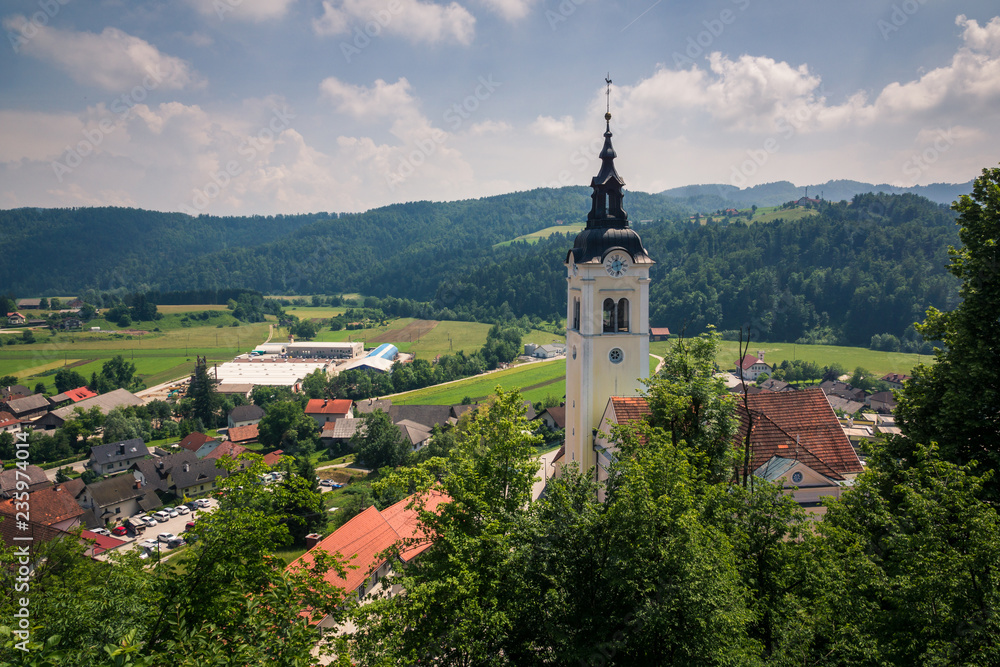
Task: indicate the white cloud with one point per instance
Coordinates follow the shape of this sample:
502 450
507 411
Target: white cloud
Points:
511 10
563 128
412 19
242 10
113 60
981 38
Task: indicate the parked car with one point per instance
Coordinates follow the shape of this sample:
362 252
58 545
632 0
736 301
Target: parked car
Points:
176 542
118 531
170 510
193 505
149 521
149 544
165 537
202 502
189 525
161 516
100 531
326 482
181 509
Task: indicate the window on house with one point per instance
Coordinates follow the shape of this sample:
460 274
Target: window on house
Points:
623 315
609 315
118 510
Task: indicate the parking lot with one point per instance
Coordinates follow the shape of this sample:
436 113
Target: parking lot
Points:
173 525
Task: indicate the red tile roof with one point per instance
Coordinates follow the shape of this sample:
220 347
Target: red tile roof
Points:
323 406
800 421
896 377
404 519
102 543
274 457
79 394
194 441
630 408
364 538
230 449
49 506
558 414
749 360
244 433
659 331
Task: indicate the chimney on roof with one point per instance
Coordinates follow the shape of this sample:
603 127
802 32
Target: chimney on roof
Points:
187 467
138 484
760 354
312 539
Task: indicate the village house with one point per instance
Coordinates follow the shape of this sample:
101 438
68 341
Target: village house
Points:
117 498
366 540
156 473
750 367
658 334
51 506
325 410
32 475
15 319
116 456
244 435
198 478
28 407
245 415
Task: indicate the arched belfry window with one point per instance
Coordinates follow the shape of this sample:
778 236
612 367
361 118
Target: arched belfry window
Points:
615 315
609 315
622 315
576 313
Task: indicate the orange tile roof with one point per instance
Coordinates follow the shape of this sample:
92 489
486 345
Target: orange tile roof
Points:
630 408
49 506
749 360
365 537
193 441
79 394
323 406
274 457
230 449
244 433
802 418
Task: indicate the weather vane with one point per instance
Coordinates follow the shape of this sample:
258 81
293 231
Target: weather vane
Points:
608 80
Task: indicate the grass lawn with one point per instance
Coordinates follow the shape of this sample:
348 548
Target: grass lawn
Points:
534 237
824 355
536 380
771 213
311 313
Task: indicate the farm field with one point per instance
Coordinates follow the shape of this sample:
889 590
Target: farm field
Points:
315 312
536 380
824 355
771 213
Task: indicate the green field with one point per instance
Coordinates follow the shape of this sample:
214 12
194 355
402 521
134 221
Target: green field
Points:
824 355
534 237
771 213
311 313
536 380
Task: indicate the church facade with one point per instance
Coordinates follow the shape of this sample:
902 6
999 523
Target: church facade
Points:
607 312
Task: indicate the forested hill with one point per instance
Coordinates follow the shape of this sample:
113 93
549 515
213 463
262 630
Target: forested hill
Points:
851 271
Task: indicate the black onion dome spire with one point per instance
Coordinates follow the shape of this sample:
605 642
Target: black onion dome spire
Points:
607 223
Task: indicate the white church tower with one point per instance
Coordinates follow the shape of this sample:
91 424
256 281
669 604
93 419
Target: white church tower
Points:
607 312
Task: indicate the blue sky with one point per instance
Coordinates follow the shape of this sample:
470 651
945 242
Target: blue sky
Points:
287 106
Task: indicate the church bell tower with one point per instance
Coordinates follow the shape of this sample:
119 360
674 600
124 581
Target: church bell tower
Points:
607 311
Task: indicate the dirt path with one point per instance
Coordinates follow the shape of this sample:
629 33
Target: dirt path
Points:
412 332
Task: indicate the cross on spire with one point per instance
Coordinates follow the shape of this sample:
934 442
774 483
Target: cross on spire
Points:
608 93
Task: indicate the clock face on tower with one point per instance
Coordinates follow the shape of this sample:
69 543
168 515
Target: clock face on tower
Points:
616 264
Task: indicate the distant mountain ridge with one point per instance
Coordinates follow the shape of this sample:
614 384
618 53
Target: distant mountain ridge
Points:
779 192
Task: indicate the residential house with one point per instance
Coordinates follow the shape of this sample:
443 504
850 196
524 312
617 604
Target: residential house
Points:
620 410
244 435
71 323
373 404
245 415
548 351
14 391
340 431
837 388
844 405
194 441
52 506
117 498
230 449
105 403
553 417
883 401
273 458
417 435
9 423
156 473
770 384
368 539
895 380
430 415
751 367
198 478
28 407
658 334
99 545
33 476
116 456
325 410
29 304
15 319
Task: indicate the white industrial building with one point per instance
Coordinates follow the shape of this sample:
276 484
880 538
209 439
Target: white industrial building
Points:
313 350
267 371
